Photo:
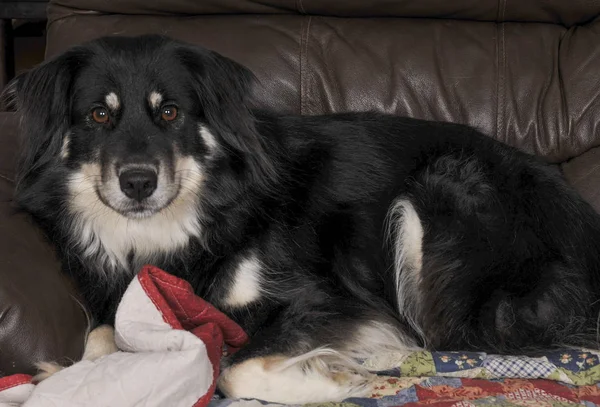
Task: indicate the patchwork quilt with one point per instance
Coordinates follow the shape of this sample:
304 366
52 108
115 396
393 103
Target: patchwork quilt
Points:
171 342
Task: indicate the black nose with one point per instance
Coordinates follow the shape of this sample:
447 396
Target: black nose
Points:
138 183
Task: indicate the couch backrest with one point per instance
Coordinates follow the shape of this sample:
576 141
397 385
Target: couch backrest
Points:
524 72
546 11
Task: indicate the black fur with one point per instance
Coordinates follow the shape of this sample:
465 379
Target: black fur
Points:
511 258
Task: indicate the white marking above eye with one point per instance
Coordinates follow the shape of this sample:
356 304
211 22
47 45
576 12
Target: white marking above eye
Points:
112 101
155 98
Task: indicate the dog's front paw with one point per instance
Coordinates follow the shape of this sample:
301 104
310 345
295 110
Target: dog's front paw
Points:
100 342
45 370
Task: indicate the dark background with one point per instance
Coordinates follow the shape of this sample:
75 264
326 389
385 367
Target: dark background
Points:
30 42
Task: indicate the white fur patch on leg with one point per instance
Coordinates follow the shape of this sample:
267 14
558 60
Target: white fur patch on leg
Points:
100 342
406 232
319 376
246 286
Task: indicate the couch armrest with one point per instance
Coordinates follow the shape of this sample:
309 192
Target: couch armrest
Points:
40 317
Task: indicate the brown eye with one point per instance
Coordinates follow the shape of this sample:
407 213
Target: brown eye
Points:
169 113
100 115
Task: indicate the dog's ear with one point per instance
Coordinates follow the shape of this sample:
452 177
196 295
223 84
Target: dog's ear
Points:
42 98
223 88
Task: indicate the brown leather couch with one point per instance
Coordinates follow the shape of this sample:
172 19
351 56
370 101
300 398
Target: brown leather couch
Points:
524 72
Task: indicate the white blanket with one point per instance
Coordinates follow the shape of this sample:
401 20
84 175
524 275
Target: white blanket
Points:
170 341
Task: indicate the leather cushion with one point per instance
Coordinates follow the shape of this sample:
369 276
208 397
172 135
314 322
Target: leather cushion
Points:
40 316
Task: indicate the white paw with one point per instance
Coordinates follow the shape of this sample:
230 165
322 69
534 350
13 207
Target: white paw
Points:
272 379
45 370
100 342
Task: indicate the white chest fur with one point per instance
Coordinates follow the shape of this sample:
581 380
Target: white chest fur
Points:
108 237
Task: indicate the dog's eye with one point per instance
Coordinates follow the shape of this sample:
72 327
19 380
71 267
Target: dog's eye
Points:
100 115
169 113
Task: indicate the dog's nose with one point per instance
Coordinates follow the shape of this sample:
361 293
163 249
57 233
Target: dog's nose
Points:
138 183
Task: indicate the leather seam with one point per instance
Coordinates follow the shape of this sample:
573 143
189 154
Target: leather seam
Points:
564 108
501 66
305 31
502 115
301 57
306 78
497 77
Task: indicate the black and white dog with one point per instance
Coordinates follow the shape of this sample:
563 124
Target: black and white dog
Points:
329 239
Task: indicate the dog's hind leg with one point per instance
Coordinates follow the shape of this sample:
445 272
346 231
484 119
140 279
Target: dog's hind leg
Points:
321 375
313 355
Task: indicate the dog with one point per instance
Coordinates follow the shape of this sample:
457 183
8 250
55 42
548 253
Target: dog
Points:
330 239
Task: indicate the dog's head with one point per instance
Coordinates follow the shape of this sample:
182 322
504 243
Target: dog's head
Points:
143 121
